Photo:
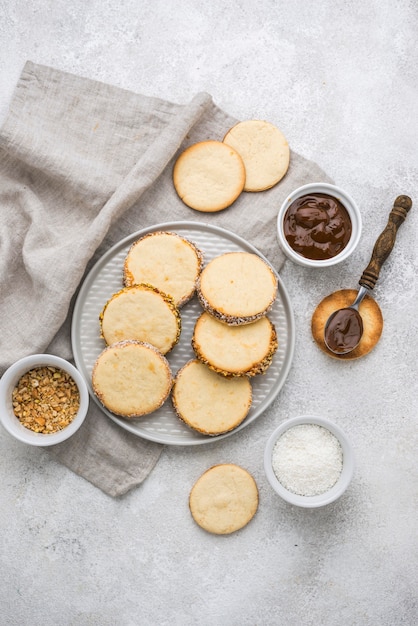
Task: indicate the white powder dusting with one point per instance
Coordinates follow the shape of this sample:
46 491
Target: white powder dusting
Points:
307 459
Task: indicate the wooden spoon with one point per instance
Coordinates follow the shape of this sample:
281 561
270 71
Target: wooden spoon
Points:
344 328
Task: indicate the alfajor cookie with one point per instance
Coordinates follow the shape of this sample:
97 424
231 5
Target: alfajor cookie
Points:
144 313
370 313
224 499
264 150
245 350
209 176
208 402
131 378
237 287
167 261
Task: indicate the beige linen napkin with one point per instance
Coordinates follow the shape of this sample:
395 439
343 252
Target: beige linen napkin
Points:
82 165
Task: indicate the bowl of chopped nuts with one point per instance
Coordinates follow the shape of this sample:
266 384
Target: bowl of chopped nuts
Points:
43 400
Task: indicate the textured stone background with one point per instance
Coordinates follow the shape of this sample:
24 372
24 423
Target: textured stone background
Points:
340 80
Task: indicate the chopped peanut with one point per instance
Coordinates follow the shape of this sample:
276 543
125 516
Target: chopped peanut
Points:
46 399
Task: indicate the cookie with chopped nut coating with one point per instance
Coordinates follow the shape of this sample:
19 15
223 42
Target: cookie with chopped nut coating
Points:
144 313
245 350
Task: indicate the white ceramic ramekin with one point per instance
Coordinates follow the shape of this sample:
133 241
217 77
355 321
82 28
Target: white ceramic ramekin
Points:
317 500
8 382
353 211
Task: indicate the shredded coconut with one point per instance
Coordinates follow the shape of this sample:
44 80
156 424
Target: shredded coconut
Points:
307 459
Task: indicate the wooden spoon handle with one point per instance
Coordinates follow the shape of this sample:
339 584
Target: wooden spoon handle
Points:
385 242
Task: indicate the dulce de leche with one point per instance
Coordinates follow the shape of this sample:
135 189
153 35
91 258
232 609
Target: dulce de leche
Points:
344 331
317 226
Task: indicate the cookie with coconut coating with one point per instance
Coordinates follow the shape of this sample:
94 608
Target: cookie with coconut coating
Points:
132 378
167 261
209 402
237 287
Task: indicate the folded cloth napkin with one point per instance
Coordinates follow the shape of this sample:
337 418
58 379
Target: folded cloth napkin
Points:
82 165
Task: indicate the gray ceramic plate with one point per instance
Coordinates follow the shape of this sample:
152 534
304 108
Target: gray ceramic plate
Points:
105 279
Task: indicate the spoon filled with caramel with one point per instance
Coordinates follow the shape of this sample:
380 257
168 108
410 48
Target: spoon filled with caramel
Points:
344 328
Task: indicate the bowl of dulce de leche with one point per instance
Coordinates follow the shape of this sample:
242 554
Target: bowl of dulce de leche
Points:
319 225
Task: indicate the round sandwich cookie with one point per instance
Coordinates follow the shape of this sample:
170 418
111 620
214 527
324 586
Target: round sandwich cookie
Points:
167 261
237 287
264 150
144 313
371 316
209 176
131 378
224 499
208 402
245 350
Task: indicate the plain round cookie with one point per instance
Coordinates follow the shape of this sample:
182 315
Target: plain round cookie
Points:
167 261
209 176
370 314
264 150
208 402
144 313
237 287
245 350
131 378
224 499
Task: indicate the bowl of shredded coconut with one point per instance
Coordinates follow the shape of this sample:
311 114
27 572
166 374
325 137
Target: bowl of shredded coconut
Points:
309 461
